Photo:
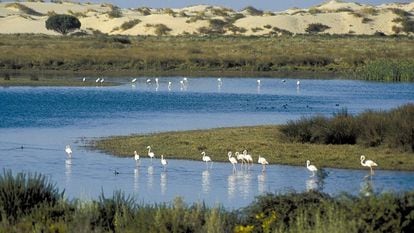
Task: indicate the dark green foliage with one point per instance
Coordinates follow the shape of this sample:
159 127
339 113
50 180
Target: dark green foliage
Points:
387 70
130 24
394 129
316 28
115 12
22 193
62 23
253 11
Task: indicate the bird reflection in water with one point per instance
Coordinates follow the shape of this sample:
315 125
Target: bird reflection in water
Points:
261 182
136 180
367 186
68 170
205 181
245 186
312 184
231 185
163 182
150 176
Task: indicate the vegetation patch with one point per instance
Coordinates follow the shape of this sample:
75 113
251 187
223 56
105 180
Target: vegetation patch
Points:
316 28
24 9
130 24
253 11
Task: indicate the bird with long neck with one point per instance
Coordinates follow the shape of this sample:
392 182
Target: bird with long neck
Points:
164 162
368 163
206 158
263 162
150 154
68 151
240 157
232 160
247 157
311 168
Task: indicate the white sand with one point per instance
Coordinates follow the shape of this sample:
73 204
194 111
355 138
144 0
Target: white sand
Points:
95 17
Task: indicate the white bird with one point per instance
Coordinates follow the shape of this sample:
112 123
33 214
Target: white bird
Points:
84 79
311 168
156 81
133 80
258 82
148 81
247 157
182 85
169 86
206 158
240 157
298 83
185 79
164 162
150 154
219 82
263 162
136 157
368 163
102 80
68 151
232 160
97 80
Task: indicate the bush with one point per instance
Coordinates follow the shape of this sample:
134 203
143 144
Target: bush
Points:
316 28
115 12
62 23
161 29
394 129
253 11
22 193
130 24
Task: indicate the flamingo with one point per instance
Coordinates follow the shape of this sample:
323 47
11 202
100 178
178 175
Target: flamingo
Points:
169 86
182 84
232 160
247 157
102 80
164 162
136 157
84 79
311 168
206 158
219 82
148 81
133 80
150 154
68 151
97 80
156 81
263 162
298 83
258 82
368 163
240 157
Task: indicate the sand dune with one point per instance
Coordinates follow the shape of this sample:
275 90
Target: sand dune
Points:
340 17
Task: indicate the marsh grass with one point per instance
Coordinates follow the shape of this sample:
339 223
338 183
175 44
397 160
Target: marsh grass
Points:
269 55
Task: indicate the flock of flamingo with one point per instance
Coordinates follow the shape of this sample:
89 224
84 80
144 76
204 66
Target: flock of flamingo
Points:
244 157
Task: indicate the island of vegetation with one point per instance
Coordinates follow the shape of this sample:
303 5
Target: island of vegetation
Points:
338 142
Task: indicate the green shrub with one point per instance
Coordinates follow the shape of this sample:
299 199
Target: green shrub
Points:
115 12
316 28
161 29
130 24
22 193
314 11
62 23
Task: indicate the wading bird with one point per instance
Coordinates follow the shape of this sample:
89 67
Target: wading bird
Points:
164 162
248 157
150 154
169 86
311 168
68 151
206 158
133 80
136 157
240 157
263 162
368 163
232 160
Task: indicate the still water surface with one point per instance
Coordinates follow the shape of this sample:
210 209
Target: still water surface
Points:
44 119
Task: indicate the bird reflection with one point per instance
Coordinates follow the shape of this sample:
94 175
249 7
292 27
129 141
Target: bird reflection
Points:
231 185
205 181
367 187
246 184
163 182
136 179
150 180
312 184
68 169
261 182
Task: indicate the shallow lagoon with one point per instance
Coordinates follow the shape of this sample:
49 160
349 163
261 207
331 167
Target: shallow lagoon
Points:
44 119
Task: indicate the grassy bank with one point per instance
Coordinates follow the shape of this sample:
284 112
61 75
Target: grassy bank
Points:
31 203
216 54
41 81
259 140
